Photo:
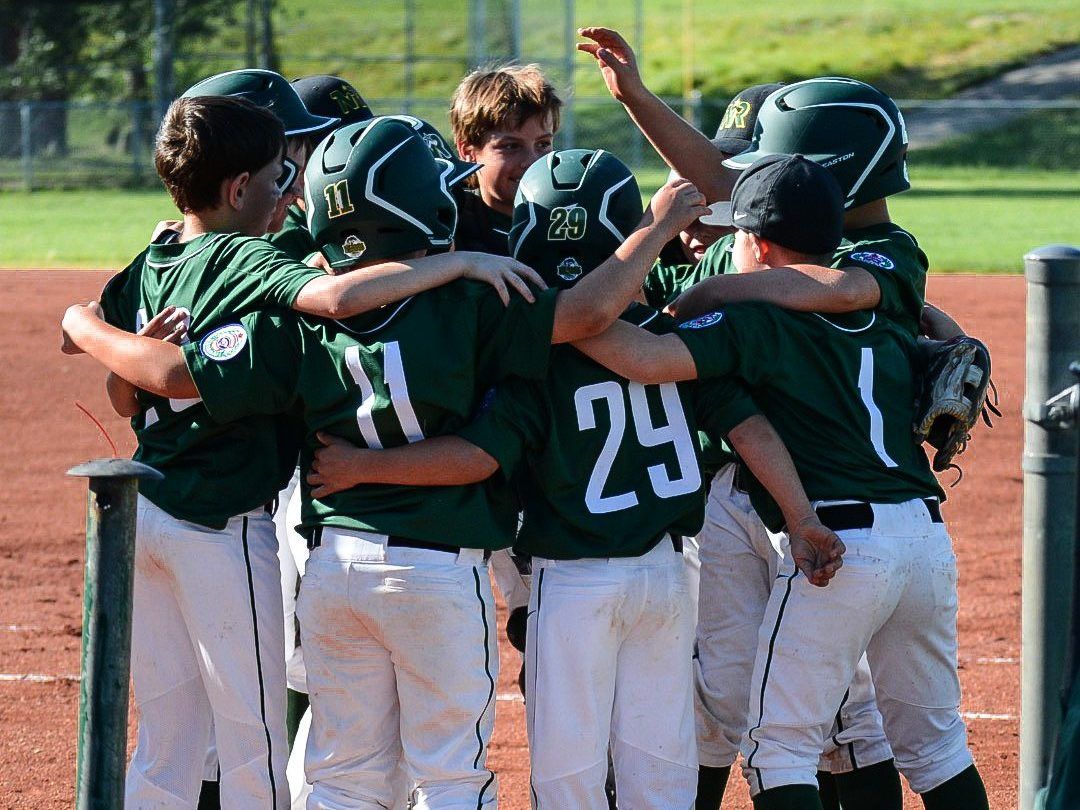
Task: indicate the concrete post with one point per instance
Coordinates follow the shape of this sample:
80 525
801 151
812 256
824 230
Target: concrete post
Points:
1050 507
106 638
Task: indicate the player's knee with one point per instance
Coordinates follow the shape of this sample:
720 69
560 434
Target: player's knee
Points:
931 748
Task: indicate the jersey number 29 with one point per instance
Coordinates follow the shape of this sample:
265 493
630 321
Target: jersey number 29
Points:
675 432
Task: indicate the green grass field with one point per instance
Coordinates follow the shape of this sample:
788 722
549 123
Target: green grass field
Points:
968 220
912 48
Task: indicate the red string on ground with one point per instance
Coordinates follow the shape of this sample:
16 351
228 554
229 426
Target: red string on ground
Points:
100 427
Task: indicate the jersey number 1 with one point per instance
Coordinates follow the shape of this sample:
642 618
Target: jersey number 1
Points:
675 432
877 422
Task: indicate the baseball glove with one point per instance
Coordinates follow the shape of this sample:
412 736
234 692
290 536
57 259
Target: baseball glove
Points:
953 395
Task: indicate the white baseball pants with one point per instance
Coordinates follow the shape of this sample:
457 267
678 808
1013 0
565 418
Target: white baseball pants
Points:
292 555
895 600
739 562
609 662
207 648
401 663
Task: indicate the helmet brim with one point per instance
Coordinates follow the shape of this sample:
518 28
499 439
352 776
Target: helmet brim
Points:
462 169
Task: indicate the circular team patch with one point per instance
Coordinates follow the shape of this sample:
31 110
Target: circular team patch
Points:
876 259
569 269
224 343
703 320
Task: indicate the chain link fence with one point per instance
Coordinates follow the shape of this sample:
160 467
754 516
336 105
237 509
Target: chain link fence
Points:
90 145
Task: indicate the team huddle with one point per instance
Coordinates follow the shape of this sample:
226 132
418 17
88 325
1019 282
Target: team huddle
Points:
373 365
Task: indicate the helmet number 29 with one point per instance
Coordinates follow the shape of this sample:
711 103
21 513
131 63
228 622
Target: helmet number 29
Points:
567 222
675 432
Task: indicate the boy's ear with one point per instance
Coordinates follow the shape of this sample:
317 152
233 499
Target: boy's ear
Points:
234 189
465 151
761 247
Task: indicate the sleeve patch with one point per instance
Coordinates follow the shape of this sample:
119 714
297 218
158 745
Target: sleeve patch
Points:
876 259
703 320
224 343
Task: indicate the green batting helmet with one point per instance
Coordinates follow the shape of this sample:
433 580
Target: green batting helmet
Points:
851 128
573 209
440 148
265 89
374 191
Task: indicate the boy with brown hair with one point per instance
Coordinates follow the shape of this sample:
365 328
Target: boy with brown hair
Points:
504 118
207 640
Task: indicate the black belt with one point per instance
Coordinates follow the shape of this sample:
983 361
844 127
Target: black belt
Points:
400 542
841 516
676 543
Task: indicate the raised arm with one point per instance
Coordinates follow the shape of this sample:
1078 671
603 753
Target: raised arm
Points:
601 296
436 462
815 549
802 287
681 146
149 363
368 288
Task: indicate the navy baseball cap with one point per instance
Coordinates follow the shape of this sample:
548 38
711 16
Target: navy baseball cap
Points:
332 96
789 200
736 130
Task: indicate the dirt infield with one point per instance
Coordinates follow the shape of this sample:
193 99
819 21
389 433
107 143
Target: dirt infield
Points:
42 519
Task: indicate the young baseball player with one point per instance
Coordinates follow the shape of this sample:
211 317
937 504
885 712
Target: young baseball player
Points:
395 608
329 97
504 119
610 484
859 134
207 639
840 390
737 561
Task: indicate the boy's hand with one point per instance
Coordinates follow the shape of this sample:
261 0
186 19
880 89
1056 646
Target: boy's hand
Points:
675 206
616 60
170 325
317 259
816 550
337 465
176 225
501 272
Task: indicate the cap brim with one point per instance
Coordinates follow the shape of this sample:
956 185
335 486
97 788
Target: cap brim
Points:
731 146
744 159
719 215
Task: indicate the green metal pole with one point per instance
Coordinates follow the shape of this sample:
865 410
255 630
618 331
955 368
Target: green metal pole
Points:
106 638
1050 507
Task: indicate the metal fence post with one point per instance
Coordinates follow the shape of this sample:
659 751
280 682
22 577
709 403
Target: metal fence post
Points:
106 638
27 145
1050 507
569 114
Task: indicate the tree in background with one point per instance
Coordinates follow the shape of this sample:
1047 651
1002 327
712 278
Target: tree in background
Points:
93 50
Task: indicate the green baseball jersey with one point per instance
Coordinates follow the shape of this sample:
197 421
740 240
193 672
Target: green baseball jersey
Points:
213 470
604 466
839 391
294 238
480 227
663 284
893 257
886 251
666 282
415 369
